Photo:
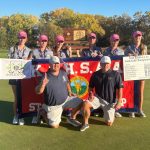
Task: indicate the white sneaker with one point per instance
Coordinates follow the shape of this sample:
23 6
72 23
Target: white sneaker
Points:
84 127
142 114
118 115
34 120
132 115
15 119
21 121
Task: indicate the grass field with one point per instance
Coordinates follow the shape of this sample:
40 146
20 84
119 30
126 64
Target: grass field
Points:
125 134
3 53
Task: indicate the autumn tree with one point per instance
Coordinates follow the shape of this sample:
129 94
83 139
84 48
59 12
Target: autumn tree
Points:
67 18
19 22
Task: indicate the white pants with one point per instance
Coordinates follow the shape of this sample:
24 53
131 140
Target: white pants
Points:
54 112
109 110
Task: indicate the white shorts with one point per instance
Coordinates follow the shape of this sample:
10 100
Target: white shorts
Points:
109 110
54 112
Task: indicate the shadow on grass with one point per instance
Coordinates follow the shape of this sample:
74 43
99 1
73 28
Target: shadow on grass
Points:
96 121
92 120
65 124
6 111
45 125
6 115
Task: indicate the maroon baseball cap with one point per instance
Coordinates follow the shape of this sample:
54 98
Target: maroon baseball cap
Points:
137 33
92 35
59 38
114 37
22 34
43 38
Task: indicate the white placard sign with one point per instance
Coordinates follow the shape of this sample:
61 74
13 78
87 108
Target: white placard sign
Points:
14 68
136 68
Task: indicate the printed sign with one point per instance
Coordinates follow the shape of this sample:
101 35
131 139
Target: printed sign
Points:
136 68
79 35
13 68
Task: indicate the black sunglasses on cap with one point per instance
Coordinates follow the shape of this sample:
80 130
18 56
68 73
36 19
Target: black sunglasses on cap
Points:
22 37
116 40
44 41
60 41
92 37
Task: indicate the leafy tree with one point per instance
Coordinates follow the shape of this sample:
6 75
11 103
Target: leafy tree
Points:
51 30
3 37
19 22
66 18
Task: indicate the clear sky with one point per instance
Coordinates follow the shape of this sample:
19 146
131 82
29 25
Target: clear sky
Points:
100 7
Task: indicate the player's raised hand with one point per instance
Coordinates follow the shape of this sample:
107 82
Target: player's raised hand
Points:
45 80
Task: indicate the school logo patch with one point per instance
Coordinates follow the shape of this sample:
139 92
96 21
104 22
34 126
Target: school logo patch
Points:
64 79
79 86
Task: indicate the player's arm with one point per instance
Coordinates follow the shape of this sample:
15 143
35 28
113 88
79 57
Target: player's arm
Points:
119 93
41 86
69 89
118 105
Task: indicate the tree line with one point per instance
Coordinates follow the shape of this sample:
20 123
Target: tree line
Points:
52 23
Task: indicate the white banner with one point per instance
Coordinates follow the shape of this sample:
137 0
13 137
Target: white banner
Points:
136 68
14 68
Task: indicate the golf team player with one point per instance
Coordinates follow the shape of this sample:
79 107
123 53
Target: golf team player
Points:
135 49
106 84
114 50
57 96
18 51
92 50
43 52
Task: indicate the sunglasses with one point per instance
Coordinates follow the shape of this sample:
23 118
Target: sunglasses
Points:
60 41
116 40
92 37
44 41
138 35
22 37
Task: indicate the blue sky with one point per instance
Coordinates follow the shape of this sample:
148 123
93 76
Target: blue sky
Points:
101 7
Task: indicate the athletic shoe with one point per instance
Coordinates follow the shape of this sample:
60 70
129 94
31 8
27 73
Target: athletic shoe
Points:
84 127
142 114
21 121
15 119
118 115
132 115
96 114
73 122
34 120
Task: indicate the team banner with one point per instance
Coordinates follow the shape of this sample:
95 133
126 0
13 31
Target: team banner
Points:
136 68
79 72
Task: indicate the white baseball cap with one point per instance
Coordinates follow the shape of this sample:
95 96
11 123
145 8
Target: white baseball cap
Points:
54 60
105 59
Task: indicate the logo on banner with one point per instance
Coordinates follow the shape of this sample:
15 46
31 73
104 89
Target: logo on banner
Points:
79 85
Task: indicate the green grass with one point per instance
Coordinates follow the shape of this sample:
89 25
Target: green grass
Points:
125 134
3 53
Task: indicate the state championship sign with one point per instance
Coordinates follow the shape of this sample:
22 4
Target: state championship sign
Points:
79 72
136 68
